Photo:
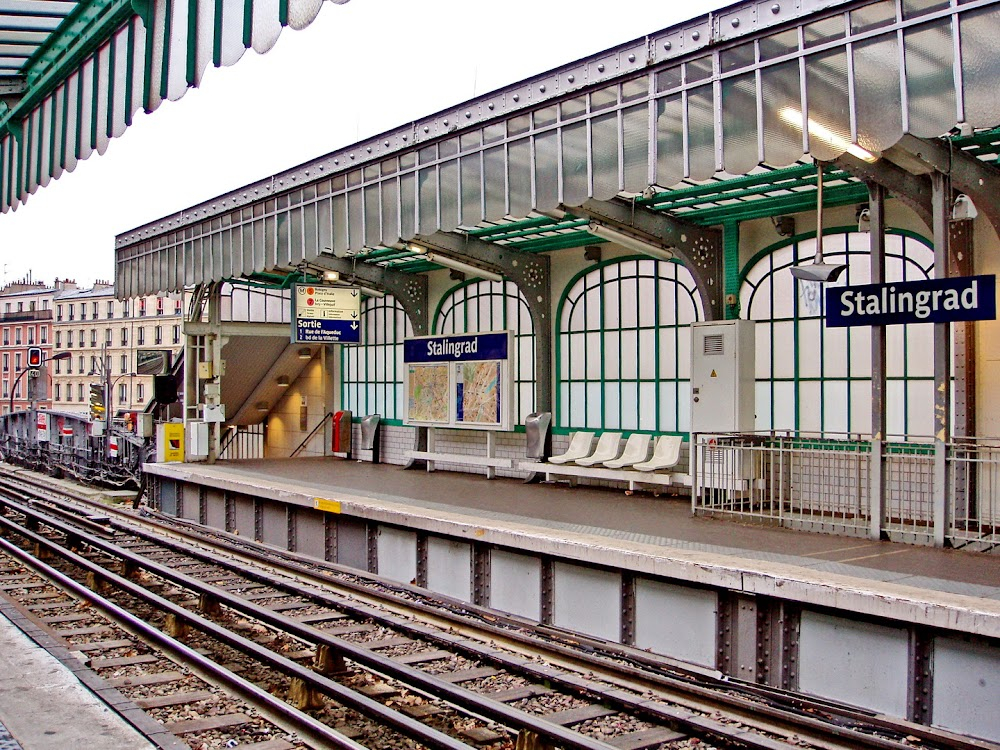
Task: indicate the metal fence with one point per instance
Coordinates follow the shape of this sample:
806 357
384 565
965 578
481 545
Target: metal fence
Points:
243 441
906 489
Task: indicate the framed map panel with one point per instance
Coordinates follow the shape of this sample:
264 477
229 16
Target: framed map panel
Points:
461 381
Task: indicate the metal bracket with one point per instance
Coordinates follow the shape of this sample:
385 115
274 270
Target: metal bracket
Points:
533 277
913 190
698 248
409 289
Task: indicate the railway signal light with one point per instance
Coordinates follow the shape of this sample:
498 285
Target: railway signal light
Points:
97 406
34 357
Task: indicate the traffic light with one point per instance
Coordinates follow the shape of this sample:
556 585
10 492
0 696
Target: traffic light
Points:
97 407
34 357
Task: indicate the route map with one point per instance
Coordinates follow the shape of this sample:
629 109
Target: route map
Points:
428 393
478 391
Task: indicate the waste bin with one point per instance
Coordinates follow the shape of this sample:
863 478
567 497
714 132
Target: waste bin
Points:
371 435
342 432
539 438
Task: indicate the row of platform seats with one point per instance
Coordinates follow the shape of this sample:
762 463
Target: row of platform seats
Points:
609 453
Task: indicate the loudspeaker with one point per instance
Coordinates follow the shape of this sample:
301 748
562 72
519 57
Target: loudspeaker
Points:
164 389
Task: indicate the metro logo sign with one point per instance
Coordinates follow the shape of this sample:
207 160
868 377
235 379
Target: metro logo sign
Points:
931 301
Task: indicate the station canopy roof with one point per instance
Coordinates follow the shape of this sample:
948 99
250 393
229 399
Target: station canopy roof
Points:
711 122
73 73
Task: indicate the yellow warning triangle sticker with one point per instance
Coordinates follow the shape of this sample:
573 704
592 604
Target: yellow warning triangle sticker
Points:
714 375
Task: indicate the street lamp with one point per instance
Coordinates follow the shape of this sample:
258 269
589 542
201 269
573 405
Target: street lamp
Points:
41 362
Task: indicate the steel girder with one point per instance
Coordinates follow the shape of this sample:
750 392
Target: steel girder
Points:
531 274
699 248
409 289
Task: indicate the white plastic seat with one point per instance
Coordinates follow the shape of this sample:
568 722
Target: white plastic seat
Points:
579 447
666 454
608 448
636 450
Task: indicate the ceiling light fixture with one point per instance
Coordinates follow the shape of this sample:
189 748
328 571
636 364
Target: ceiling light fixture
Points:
305 353
283 381
825 273
629 242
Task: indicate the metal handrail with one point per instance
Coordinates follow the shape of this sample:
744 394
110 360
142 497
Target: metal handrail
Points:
307 438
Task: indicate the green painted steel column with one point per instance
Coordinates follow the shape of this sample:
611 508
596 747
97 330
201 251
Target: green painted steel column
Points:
731 268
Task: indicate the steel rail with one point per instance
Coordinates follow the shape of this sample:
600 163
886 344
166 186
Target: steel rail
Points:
790 712
345 696
460 697
721 691
269 706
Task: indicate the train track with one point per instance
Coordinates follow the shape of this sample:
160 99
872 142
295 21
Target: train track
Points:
364 662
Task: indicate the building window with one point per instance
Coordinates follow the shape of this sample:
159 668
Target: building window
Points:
122 393
17 336
20 307
6 337
17 362
93 337
126 308
93 310
108 336
58 339
83 311
177 307
124 336
69 339
124 364
140 336
111 309
6 389
140 392
373 372
80 362
495 306
177 335
93 364
58 365
69 365
816 379
79 391
159 305
142 307
158 335
623 347
72 311
57 390
81 339
59 312
6 362
43 334
31 335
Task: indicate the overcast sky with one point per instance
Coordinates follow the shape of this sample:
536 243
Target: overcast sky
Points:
358 70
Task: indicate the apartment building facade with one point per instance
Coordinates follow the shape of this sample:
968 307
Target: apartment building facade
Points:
25 321
106 339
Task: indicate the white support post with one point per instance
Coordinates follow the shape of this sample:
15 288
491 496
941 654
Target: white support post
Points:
491 452
431 446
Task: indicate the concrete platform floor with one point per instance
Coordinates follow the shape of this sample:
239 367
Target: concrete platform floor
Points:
45 706
665 520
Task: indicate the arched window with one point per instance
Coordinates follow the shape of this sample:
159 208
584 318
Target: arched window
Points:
480 306
816 379
372 372
624 347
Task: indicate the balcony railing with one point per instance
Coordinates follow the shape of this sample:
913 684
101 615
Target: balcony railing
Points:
26 315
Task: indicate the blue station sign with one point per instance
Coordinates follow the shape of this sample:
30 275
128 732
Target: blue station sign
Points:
475 347
931 301
326 314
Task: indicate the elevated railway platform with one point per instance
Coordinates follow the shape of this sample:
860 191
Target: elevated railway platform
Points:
905 630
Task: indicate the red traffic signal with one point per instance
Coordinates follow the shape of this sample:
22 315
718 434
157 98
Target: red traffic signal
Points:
34 357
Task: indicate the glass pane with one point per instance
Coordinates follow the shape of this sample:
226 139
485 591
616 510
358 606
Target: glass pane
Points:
605 155
669 141
635 123
576 187
782 115
698 70
472 192
829 109
495 182
824 31
915 8
450 217
734 58
878 103
980 65
873 16
739 123
929 82
520 178
701 133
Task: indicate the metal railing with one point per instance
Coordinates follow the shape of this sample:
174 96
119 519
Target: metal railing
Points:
907 489
244 441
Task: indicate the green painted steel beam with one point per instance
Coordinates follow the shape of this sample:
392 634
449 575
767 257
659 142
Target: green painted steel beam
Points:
767 207
489 231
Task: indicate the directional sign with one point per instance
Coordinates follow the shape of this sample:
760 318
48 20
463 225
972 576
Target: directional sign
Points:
326 314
